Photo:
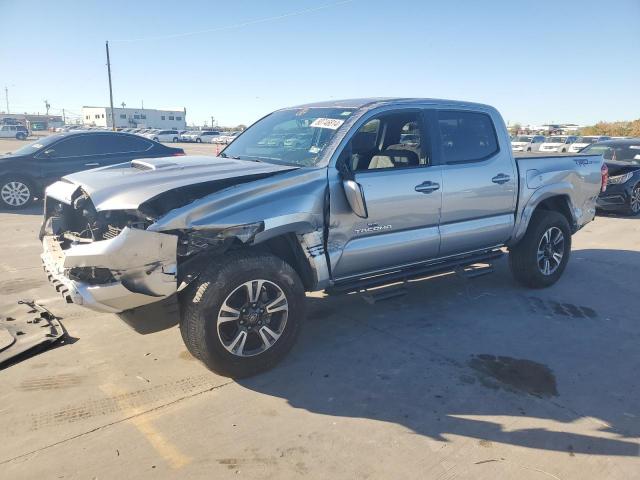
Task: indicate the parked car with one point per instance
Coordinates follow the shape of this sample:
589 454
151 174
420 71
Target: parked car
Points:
26 172
225 138
19 132
164 136
557 143
585 141
205 136
623 187
526 143
243 236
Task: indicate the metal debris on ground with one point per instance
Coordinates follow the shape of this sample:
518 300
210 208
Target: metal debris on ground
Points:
37 328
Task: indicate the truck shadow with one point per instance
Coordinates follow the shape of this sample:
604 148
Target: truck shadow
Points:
481 358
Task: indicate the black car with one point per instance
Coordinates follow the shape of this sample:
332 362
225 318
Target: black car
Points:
623 189
25 173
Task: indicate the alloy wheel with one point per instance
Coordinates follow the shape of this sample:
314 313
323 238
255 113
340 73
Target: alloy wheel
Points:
550 251
15 193
634 201
252 318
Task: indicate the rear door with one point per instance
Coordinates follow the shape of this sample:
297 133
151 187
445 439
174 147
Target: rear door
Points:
390 157
479 182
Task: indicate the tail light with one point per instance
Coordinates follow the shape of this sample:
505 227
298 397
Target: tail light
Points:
178 154
604 173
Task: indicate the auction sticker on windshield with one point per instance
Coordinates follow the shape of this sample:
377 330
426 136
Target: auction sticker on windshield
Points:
332 123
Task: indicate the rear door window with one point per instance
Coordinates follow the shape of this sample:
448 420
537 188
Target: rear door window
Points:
466 136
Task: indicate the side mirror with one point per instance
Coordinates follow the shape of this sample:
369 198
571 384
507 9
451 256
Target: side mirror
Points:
355 197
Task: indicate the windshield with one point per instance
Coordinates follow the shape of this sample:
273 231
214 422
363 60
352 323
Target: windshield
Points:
556 139
618 153
521 139
293 137
37 145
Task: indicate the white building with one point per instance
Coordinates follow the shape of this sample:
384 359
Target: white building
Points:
135 118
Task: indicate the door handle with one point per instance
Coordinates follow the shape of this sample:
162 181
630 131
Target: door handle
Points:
501 178
91 164
427 187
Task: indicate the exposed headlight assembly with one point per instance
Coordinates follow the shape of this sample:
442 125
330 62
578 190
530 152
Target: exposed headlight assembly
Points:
620 179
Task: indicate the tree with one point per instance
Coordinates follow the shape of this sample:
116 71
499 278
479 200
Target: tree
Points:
613 129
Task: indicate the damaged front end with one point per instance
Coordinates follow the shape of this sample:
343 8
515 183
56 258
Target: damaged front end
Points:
106 261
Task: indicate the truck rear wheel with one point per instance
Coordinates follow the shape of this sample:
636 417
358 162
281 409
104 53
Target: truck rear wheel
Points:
243 313
540 258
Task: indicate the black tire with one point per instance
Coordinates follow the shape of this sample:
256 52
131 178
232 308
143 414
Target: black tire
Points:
529 149
16 183
633 208
202 305
175 139
523 258
21 136
198 140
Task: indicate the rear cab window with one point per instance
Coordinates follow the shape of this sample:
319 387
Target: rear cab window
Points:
466 136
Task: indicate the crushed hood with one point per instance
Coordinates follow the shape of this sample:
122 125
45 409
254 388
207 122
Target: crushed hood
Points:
127 185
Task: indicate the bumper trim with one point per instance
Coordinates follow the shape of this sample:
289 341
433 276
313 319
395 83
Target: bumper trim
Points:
117 296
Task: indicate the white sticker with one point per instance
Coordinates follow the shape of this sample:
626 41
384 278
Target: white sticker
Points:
314 149
332 123
635 147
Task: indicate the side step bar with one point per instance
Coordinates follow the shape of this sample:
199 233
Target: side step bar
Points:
458 263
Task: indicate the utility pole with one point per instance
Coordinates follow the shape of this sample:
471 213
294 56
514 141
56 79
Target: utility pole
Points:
212 119
64 118
6 96
47 106
113 122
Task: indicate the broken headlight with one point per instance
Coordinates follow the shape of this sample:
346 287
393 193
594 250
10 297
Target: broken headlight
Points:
194 241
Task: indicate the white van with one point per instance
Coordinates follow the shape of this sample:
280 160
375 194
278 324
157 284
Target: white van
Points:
526 143
558 143
582 142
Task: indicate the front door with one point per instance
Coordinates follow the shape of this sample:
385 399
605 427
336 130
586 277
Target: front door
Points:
390 157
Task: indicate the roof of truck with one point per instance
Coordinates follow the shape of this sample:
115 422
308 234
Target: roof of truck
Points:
378 101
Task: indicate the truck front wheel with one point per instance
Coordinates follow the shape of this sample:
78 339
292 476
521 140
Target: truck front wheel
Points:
540 258
243 313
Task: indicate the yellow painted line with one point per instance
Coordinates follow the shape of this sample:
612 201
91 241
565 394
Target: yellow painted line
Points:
169 452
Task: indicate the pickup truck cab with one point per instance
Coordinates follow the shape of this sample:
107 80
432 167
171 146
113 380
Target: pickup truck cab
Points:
384 190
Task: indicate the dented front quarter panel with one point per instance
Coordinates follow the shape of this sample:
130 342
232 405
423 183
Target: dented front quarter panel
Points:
291 202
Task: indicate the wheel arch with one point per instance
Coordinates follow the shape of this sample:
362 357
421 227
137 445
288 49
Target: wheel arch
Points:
546 201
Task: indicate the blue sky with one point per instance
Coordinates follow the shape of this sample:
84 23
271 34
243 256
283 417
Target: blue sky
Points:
536 61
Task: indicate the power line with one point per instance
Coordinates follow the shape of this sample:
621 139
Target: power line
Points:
238 25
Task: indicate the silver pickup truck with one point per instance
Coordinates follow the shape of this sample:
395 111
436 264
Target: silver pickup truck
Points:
340 196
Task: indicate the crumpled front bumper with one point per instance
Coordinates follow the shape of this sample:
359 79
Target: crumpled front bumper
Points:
142 266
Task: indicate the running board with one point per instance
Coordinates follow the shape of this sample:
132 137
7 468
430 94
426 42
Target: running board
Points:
451 265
